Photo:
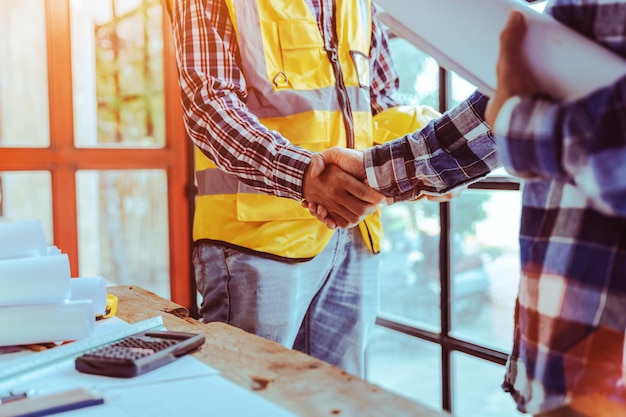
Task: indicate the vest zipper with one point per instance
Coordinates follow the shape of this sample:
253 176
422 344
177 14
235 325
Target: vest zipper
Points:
342 92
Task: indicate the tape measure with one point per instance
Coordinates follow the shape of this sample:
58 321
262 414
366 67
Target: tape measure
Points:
25 364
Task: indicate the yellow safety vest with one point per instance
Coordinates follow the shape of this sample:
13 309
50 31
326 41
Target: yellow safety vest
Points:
295 87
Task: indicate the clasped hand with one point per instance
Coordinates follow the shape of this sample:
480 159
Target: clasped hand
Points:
335 190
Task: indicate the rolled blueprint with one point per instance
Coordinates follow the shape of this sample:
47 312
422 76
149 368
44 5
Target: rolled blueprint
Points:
464 36
42 323
93 289
22 239
43 279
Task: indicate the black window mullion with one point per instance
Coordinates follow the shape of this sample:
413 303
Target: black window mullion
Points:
444 303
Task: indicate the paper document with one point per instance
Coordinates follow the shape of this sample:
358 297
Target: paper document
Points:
58 372
201 396
464 37
184 387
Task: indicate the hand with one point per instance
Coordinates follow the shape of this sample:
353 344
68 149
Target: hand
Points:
447 196
350 160
345 200
513 72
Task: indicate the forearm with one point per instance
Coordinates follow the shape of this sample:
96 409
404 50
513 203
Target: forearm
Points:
582 143
238 144
453 150
214 92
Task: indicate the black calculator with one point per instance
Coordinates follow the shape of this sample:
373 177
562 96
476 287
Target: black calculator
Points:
139 353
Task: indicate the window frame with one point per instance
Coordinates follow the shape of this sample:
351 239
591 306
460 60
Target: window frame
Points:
62 159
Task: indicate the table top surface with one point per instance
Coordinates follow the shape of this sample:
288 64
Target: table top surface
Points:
299 383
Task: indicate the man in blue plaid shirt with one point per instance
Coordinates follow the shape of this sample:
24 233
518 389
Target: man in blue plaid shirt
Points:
570 317
571 309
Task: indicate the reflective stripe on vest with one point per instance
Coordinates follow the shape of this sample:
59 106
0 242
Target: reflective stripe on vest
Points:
291 89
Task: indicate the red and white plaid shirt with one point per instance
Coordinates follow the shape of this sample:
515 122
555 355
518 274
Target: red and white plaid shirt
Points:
214 97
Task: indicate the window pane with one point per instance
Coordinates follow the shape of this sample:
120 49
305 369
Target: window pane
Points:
27 195
476 389
117 52
485 266
419 74
23 74
123 227
460 88
405 365
409 282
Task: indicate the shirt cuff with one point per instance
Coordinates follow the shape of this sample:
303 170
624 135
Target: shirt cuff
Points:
503 120
370 171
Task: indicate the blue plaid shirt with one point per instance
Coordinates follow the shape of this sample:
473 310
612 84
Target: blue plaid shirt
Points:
455 149
571 309
570 315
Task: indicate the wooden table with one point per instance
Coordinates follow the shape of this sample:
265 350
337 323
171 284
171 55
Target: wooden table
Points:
304 385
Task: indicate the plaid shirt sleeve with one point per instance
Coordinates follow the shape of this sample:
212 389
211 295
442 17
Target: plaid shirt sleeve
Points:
581 142
214 93
456 149
385 79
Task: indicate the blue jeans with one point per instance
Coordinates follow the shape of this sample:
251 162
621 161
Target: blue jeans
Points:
325 307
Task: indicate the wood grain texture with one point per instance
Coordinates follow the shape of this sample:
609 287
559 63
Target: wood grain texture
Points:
302 384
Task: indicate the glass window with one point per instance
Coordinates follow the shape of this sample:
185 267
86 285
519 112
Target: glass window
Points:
123 227
117 53
418 72
484 264
409 279
484 270
24 111
476 389
27 195
405 365
460 89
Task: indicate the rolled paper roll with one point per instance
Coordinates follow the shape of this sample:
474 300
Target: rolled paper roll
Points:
44 279
53 250
93 289
22 239
566 64
41 323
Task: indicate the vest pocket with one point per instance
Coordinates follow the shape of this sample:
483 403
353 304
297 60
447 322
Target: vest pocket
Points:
302 53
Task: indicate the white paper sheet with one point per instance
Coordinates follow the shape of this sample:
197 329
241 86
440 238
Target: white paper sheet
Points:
212 396
464 36
22 239
185 387
102 330
43 279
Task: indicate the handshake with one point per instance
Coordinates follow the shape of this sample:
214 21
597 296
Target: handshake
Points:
336 190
